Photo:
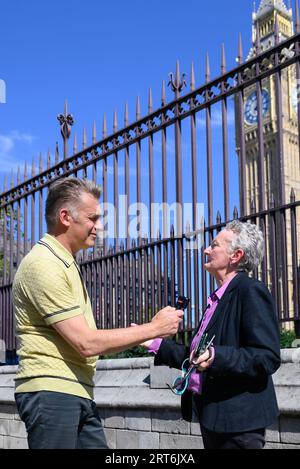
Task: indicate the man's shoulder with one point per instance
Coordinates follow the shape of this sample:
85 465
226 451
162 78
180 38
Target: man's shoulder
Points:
38 262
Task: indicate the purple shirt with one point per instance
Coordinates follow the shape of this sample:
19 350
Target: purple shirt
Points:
195 379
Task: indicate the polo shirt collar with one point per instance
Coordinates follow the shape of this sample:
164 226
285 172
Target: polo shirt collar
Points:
58 249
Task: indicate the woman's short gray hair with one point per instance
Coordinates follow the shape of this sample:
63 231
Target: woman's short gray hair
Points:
250 239
66 192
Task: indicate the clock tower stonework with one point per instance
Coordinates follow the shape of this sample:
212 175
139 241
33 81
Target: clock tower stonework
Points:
264 20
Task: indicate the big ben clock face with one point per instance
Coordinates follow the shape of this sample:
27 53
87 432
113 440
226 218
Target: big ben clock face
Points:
251 114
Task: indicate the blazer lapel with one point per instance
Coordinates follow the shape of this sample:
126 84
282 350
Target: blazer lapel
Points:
224 301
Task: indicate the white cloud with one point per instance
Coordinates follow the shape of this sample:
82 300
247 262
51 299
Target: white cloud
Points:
10 149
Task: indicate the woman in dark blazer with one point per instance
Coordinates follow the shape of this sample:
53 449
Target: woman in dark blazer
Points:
236 400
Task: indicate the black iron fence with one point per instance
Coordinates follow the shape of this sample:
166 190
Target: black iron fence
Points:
178 164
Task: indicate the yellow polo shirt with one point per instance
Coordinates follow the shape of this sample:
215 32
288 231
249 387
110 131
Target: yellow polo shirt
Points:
48 288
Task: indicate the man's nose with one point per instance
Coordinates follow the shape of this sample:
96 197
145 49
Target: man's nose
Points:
99 225
207 251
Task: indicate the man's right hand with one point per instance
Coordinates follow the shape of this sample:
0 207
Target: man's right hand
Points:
167 321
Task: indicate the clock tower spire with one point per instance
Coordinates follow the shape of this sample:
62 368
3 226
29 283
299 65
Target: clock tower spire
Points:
263 21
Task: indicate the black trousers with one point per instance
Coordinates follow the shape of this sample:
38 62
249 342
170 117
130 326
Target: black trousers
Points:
60 421
254 439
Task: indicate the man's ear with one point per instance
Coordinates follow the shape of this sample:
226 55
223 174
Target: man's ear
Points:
237 256
64 217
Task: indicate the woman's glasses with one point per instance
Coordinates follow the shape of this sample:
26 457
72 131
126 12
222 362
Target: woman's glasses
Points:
180 383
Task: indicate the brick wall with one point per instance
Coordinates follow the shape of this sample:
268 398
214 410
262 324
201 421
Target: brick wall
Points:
139 411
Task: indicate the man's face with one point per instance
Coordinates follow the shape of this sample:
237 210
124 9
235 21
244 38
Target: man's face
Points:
217 254
84 223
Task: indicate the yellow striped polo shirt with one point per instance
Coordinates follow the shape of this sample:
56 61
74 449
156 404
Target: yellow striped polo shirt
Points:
48 288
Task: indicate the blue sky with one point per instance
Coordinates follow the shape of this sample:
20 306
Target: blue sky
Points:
100 54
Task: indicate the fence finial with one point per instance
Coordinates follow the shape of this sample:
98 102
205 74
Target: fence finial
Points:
94 133
33 167
56 153
207 69
240 50
40 163
150 101
115 124
276 30
66 121
257 41
223 60
48 159
163 94
126 115
75 144
104 127
297 19
25 171
138 108
19 176
84 139
178 83
292 196
192 82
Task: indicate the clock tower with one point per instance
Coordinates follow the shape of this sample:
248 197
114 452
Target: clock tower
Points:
264 20
264 23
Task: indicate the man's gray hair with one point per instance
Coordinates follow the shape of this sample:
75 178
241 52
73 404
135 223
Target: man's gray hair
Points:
66 192
250 239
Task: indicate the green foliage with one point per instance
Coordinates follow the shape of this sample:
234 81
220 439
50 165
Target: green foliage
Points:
286 338
134 352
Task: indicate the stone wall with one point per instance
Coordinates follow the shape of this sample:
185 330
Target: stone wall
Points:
139 411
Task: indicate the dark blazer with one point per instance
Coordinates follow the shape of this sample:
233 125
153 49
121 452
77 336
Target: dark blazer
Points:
238 392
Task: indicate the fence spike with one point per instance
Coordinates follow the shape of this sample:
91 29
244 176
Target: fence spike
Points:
192 83
163 94
272 201
235 213
150 101
40 163
5 184
94 133
257 41
66 107
297 19
104 127
56 153
177 77
12 179
252 206
33 167
25 171
188 227
293 196
84 139
172 231
138 108
115 124
75 144
133 244
48 159
276 31
218 217
126 115
223 60
207 69
19 176
240 50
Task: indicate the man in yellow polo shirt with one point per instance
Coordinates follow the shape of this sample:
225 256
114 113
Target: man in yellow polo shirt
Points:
58 342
